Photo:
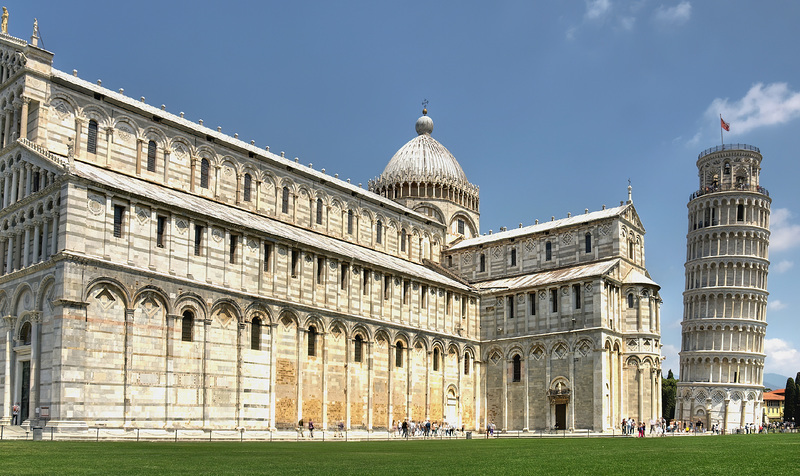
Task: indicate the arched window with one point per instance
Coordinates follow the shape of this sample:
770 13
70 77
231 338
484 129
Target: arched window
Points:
358 345
513 257
91 141
588 242
630 250
204 166
740 213
312 341
255 334
151 156
319 211
349 222
630 301
548 251
378 232
248 185
403 239
25 334
435 360
187 326
517 363
466 363
398 355
482 267
285 200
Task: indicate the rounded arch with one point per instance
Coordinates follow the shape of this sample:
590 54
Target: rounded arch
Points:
363 331
317 322
257 309
515 350
193 302
97 114
156 135
45 286
206 152
155 291
107 281
221 306
289 317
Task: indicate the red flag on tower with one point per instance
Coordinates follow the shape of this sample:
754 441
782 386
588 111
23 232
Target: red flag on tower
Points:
725 125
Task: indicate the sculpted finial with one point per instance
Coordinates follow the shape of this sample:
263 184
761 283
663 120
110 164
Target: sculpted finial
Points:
4 22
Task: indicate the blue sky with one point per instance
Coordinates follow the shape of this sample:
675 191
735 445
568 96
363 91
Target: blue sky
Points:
550 107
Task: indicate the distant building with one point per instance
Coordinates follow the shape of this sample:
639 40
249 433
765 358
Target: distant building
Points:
725 302
773 405
160 274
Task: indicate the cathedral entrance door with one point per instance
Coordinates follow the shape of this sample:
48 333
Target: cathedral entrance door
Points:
451 414
25 391
561 416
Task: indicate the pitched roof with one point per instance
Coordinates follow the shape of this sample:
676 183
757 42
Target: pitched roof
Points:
549 277
541 227
247 220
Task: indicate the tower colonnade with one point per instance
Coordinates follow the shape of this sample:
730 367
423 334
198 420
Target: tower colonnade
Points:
725 301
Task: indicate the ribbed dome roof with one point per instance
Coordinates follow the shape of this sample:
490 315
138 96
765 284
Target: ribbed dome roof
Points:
423 158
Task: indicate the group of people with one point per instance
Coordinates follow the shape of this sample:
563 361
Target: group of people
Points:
658 427
425 428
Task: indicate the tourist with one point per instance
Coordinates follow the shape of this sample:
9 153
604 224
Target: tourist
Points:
311 428
15 414
300 425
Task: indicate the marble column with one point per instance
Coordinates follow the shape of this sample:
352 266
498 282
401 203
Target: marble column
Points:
26 247
54 238
7 132
9 322
10 252
36 325
37 229
273 364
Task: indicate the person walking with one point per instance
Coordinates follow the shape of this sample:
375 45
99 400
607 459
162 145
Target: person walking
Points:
311 428
15 414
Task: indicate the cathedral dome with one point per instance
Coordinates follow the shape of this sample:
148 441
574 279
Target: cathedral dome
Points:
423 159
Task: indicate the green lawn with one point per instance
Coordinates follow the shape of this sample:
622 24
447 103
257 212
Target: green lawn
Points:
701 455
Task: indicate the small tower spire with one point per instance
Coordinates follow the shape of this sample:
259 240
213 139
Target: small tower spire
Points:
630 195
424 107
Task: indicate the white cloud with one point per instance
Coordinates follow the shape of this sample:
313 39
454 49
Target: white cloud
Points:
677 15
763 105
783 234
627 23
597 9
776 305
782 358
783 266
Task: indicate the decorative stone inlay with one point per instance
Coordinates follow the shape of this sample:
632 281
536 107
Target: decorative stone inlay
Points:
63 111
589 287
124 134
142 214
542 296
584 349
520 298
605 229
537 353
332 265
700 398
217 234
227 170
181 225
567 238
282 251
495 357
96 204
560 351
307 257
530 245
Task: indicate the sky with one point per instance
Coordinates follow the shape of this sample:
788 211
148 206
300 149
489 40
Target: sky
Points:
550 107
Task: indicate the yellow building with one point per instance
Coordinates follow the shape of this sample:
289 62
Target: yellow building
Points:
773 405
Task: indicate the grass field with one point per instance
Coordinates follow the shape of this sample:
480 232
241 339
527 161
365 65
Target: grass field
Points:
774 454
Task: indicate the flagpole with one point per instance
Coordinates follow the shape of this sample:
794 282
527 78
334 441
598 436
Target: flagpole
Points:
721 140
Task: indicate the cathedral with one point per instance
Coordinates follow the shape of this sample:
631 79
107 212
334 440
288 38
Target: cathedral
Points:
156 273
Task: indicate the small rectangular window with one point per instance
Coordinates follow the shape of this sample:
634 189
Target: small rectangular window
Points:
344 276
119 215
232 252
365 283
588 243
548 251
267 256
320 269
460 226
406 285
576 294
198 240
513 257
463 307
387 287
423 298
510 306
295 262
448 303
161 225
554 299
91 141
532 303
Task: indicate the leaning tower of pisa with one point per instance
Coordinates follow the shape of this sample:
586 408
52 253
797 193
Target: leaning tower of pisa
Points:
725 302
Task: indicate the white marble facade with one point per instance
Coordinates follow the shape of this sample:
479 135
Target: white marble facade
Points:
160 274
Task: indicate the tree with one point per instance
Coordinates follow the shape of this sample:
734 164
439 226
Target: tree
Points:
790 400
797 397
669 387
